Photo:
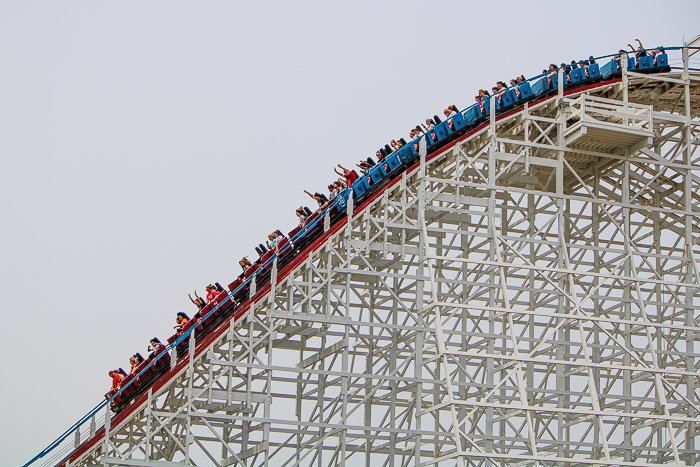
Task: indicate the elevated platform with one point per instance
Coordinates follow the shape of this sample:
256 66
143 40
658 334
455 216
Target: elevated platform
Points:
607 125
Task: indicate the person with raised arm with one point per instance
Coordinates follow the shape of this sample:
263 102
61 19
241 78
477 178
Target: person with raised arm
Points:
319 198
349 176
198 301
639 52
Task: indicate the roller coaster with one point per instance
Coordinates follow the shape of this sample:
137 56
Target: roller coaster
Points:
390 166
232 307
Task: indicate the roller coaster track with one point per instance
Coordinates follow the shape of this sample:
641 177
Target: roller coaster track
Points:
526 294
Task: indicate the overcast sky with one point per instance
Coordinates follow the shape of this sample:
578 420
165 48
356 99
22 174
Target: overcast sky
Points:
145 147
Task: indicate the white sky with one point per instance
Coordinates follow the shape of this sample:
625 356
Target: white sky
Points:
146 146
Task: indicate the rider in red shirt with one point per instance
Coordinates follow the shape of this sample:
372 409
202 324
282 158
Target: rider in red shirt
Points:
211 294
349 176
117 378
